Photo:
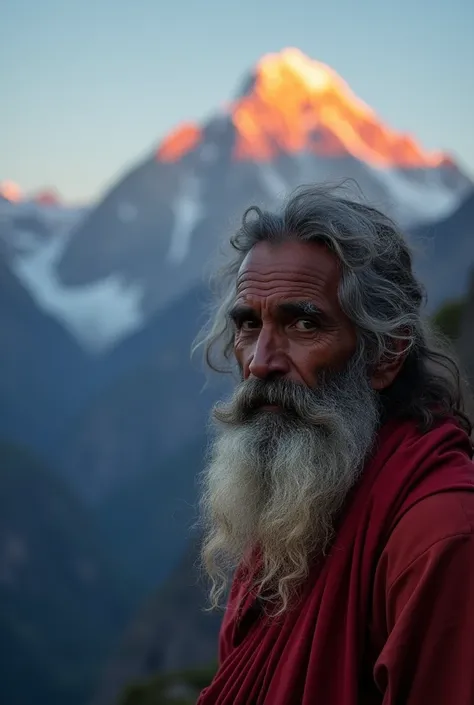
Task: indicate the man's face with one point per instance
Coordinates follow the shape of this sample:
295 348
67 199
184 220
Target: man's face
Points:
289 323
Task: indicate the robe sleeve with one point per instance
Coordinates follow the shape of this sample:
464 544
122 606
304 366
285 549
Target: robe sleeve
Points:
424 606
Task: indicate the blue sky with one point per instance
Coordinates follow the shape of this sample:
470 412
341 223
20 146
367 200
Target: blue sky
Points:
91 86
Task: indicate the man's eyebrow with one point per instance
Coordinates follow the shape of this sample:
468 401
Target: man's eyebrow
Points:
303 308
238 312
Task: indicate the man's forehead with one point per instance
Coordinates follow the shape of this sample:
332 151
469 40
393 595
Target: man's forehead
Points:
292 263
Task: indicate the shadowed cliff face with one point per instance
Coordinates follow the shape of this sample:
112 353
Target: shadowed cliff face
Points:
171 632
60 607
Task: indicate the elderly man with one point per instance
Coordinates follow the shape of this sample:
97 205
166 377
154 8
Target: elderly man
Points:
340 485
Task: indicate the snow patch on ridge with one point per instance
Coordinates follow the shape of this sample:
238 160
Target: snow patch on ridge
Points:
188 210
98 315
416 201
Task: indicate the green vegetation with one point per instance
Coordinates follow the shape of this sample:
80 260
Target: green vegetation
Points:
448 318
178 688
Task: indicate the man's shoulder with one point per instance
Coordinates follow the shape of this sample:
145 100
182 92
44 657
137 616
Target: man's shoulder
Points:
434 520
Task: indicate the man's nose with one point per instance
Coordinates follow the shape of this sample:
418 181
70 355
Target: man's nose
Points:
267 358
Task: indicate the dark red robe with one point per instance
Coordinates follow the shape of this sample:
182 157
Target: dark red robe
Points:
388 617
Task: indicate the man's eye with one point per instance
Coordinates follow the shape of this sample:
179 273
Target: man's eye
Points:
305 325
249 324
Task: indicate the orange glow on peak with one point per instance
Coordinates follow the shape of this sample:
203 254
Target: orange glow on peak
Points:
10 191
48 197
299 104
182 140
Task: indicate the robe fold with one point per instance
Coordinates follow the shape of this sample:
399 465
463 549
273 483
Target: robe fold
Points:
370 628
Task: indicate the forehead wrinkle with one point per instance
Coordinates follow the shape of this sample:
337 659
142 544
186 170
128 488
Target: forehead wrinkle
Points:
306 287
274 277
283 291
283 281
309 273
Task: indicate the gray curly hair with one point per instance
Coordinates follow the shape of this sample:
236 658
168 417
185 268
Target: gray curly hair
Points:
378 291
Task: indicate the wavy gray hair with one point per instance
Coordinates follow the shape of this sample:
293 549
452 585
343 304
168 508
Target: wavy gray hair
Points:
378 291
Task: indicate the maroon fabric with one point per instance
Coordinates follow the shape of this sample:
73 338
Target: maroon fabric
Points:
313 655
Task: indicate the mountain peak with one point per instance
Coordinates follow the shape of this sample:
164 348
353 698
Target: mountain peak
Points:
10 191
294 103
292 64
291 103
47 197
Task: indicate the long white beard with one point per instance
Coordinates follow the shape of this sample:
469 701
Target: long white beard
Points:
276 479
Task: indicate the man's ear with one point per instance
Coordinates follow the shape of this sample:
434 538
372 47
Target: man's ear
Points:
389 366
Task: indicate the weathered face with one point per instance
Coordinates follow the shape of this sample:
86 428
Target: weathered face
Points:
289 323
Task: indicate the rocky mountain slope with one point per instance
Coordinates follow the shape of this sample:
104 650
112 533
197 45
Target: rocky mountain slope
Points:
172 631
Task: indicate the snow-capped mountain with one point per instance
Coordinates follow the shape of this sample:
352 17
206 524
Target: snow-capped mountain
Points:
28 222
34 233
154 234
